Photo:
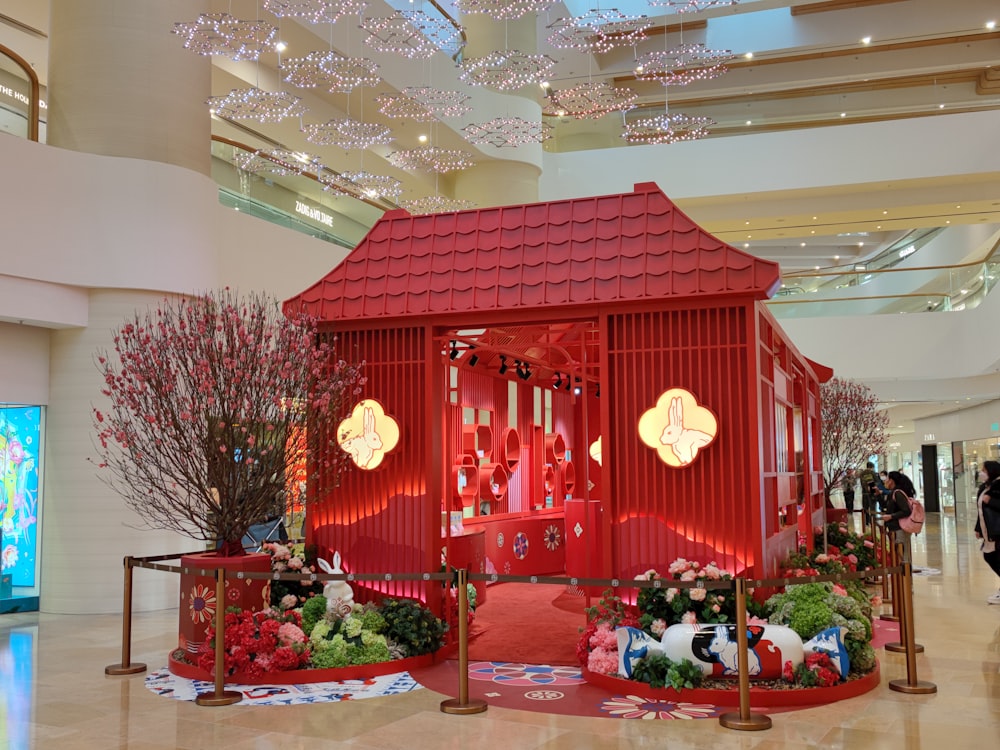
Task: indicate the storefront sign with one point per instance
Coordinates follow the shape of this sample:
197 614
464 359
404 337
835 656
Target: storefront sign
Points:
313 213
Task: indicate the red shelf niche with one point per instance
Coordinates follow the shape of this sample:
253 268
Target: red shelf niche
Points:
511 449
477 440
492 482
549 479
569 477
465 465
555 448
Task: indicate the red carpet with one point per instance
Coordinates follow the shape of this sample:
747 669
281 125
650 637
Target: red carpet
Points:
528 624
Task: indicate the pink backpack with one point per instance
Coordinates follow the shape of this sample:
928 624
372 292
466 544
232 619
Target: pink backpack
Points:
913 523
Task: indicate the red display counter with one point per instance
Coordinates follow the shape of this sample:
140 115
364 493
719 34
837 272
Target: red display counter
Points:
584 544
468 550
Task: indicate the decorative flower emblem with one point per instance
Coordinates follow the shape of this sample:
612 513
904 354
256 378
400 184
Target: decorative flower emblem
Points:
500 539
524 675
520 546
553 538
202 607
544 695
635 707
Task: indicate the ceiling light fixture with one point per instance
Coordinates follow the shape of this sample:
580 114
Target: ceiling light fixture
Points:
431 159
436 204
506 70
331 71
666 128
423 103
315 11
691 6
348 134
503 10
682 64
598 31
592 100
256 104
509 132
223 35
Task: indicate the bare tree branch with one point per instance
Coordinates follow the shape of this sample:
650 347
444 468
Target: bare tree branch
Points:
853 428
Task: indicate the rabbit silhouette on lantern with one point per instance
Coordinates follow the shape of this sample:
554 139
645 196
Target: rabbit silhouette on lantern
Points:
726 652
682 441
362 447
339 594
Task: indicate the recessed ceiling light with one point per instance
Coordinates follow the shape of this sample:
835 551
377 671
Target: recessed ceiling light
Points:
749 236
748 223
861 244
812 232
991 25
749 55
281 46
746 245
802 244
815 268
866 40
836 257
885 213
749 122
422 138
940 106
959 205
815 217
964 291
878 226
843 114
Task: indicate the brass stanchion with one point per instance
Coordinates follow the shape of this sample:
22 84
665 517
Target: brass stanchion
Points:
890 580
125 667
219 696
462 704
911 684
905 622
743 720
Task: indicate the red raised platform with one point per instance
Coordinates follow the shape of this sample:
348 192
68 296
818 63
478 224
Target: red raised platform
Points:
304 676
759 697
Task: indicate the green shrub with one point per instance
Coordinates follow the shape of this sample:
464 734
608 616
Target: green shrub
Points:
412 627
660 671
312 612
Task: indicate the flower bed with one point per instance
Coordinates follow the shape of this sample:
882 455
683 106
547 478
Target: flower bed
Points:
779 696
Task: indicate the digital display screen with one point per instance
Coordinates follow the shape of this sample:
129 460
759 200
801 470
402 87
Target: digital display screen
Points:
20 441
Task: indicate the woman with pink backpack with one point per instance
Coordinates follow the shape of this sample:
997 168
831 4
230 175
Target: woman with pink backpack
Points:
898 506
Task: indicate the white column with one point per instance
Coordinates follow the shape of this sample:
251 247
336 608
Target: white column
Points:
86 528
121 84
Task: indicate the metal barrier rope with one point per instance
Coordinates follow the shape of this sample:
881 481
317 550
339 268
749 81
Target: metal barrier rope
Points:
743 720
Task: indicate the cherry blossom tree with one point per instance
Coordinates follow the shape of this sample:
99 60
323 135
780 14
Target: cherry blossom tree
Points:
853 429
207 405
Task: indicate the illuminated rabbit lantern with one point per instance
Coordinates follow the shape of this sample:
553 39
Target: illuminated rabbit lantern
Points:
678 427
368 434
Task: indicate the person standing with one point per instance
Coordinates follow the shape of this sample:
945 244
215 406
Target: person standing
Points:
897 506
847 487
989 495
869 482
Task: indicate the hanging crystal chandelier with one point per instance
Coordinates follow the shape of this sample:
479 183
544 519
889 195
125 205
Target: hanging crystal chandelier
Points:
666 128
691 6
503 10
277 161
682 64
330 70
256 104
507 132
436 204
348 134
598 31
226 36
431 159
395 34
315 11
441 32
591 100
423 103
374 185
506 70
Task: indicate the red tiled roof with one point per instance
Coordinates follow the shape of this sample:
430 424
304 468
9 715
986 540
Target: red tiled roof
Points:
614 248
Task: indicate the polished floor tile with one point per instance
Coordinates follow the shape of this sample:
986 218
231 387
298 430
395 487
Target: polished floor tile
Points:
54 693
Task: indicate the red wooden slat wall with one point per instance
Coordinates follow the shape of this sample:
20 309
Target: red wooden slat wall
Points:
388 519
711 509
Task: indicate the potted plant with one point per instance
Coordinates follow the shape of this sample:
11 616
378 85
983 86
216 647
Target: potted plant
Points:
207 401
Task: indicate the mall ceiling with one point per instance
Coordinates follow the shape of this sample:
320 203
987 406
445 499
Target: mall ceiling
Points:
814 63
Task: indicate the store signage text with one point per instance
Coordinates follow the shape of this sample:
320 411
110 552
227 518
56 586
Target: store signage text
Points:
313 213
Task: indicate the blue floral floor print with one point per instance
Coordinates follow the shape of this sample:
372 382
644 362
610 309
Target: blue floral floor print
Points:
164 683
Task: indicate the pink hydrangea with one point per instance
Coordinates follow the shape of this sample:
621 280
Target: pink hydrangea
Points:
289 634
604 638
603 662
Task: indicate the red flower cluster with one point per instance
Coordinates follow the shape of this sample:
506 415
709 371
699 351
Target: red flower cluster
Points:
258 642
816 671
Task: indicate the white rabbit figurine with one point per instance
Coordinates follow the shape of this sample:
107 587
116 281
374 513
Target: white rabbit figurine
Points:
727 651
362 447
339 594
683 442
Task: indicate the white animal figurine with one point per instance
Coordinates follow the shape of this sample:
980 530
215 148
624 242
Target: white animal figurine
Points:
684 442
727 652
339 594
362 447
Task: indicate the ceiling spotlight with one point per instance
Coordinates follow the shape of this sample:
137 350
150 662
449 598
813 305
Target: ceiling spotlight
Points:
454 352
474 359
503 364
523 371
558 381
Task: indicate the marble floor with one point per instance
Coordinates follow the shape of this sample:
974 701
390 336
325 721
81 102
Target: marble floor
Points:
54 693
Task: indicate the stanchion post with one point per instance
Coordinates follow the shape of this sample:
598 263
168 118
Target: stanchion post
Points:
743 720
889 555
462 705
905 641
125 667
219 695
911 684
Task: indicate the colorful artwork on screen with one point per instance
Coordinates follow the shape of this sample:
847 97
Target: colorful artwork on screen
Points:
20 432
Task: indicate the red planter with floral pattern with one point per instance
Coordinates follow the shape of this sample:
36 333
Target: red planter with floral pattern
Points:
198 603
